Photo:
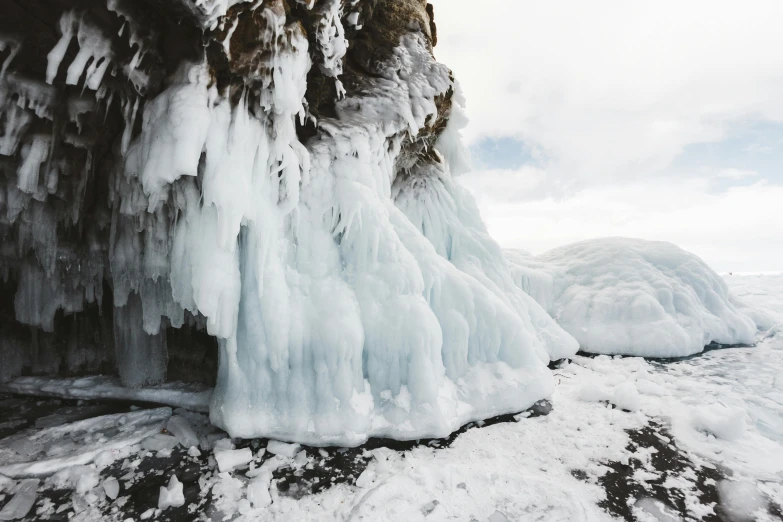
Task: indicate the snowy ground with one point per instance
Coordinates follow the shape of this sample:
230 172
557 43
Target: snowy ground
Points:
699 438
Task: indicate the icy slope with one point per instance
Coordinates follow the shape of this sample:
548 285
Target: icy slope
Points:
633 297
235 176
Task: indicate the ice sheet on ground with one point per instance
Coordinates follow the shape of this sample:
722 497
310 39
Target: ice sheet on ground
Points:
178 395
49 450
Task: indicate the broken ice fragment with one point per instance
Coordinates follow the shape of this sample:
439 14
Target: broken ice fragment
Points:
229 460
282 448
258 490
183 431
626 397
171 496
111 487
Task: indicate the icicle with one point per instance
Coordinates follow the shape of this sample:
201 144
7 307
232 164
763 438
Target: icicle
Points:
55 57
33 155
141 358
13 45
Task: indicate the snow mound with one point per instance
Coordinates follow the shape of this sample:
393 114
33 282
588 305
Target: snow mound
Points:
633 297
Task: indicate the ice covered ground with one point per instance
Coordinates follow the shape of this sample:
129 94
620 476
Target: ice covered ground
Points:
699 438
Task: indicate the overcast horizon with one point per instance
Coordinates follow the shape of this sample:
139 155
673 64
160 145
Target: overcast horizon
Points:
660 121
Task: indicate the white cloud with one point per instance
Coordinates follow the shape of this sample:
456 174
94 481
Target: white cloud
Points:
613 89
612 92
736 174
735 230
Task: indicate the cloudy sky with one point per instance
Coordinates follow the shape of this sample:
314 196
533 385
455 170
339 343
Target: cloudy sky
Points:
661 120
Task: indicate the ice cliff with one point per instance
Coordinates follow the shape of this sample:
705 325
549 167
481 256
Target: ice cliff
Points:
271 182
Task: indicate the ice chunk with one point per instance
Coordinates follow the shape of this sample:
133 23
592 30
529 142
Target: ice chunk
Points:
182 430
283 449
86 481
171 496
111 487
22 501
727 423
258 491
634 297
626 397
229 460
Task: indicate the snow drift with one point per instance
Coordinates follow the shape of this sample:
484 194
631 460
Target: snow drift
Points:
298 207
633 297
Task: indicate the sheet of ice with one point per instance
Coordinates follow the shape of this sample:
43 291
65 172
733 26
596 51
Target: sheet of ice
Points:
22 502
634 297
178 395
52 449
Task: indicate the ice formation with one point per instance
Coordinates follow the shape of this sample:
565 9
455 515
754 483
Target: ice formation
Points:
633 297
261 191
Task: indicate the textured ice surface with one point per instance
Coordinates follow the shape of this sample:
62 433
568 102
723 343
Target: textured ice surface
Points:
633 297
338 318
22 502
351 284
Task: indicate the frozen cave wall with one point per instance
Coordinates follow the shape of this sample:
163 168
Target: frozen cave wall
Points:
258 194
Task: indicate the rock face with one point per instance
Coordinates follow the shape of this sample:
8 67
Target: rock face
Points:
257 194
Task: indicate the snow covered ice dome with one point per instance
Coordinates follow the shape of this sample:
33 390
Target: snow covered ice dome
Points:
635 297
214 183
